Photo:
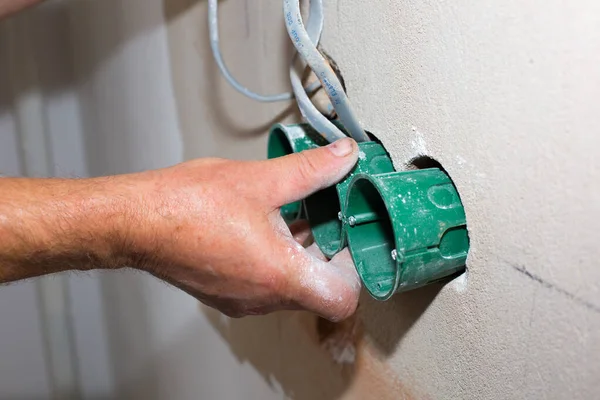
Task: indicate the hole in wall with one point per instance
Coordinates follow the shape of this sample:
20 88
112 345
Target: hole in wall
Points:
334 66
320 98
426 162
374 138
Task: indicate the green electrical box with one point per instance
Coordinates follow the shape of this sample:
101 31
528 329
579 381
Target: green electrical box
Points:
404 229
325 208
288 139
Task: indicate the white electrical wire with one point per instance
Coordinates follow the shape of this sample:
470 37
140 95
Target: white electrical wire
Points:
308 50
308 110
311 114
213 24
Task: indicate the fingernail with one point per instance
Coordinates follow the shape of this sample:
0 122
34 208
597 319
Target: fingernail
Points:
342 147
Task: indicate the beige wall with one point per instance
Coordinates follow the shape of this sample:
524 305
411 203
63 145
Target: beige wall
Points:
505 97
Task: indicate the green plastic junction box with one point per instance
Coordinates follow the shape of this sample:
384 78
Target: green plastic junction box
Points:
404 229
288 139
324 209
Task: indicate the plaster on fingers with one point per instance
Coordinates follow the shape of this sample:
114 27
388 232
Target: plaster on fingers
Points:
330 289
315 251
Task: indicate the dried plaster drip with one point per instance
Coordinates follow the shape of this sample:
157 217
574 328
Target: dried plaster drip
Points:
341 353
348 346
340 339
418 143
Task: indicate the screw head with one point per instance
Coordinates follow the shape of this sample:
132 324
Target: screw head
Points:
352 221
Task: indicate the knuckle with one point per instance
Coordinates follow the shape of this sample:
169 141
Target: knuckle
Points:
280 287
275 283
307 168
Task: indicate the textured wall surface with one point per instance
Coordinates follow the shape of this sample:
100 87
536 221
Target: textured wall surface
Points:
505 97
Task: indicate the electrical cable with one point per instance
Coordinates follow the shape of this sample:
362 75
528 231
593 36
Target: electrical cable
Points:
309 52
213 24
310 113
308 110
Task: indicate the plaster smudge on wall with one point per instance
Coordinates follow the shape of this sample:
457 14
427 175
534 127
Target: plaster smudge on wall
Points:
418 143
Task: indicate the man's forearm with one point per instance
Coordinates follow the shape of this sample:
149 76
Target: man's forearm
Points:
210 227
8 7
53 225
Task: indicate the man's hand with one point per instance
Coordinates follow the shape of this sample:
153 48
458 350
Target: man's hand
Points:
213 229
210 227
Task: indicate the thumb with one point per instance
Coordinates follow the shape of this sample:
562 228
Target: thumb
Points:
301 174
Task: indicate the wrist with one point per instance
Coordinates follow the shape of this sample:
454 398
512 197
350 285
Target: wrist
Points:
108 222
86 223
112 219
131 217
